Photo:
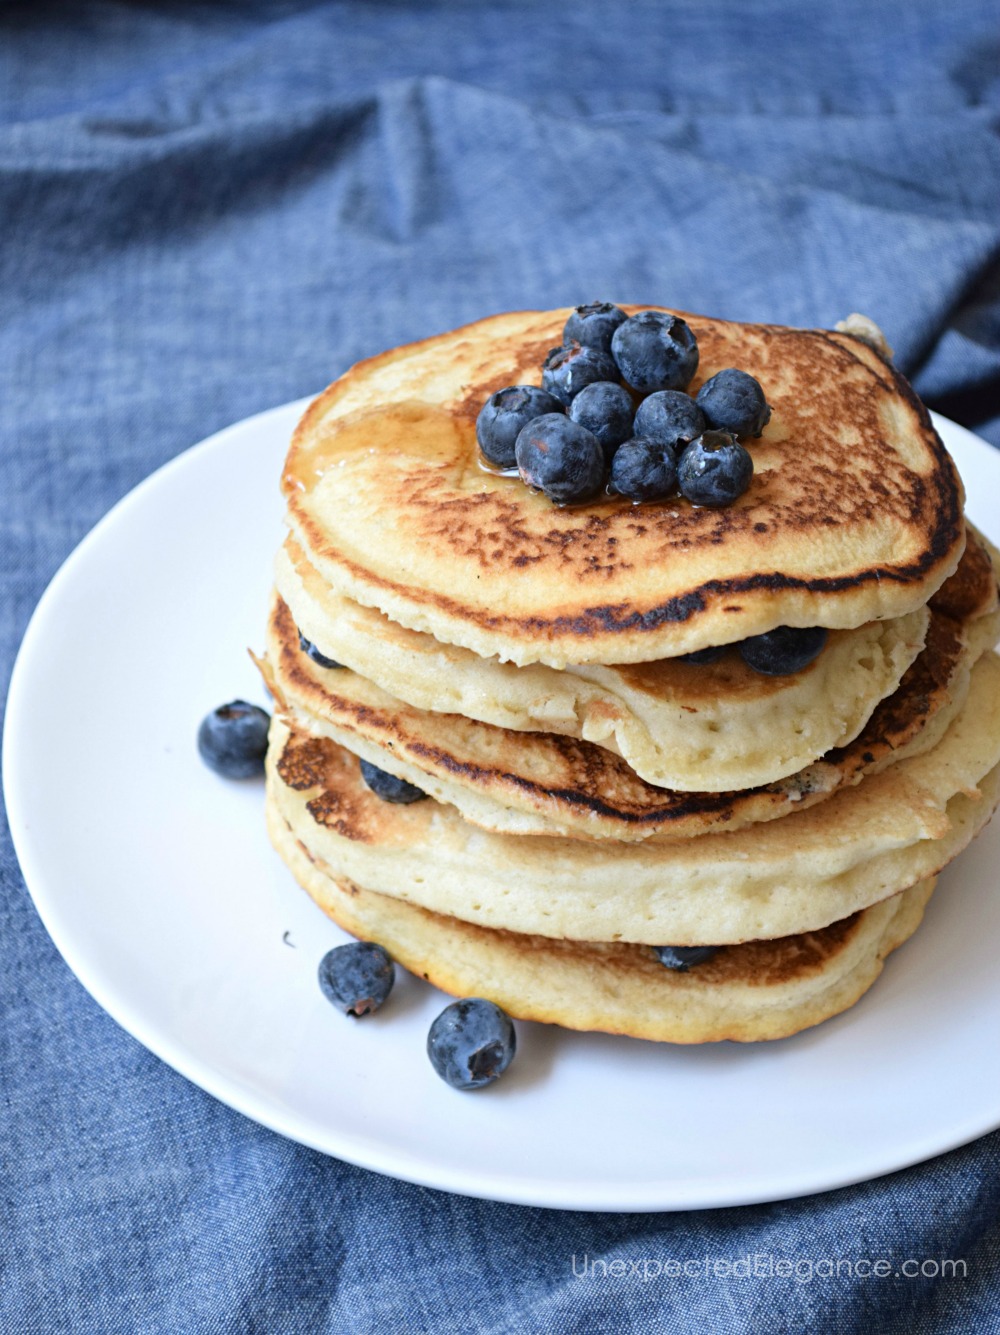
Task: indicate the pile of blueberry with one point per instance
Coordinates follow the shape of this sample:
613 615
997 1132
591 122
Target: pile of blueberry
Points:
581 431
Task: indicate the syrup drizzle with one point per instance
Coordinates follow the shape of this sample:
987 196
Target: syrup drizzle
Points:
402 435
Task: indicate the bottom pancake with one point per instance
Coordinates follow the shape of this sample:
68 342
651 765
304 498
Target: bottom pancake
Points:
757 990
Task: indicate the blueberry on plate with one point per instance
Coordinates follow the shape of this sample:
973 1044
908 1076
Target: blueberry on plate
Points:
561 458
471 1043
356 978
787 649
606 410
232 740
734 401
644 470
669 416
714 469
388 787
568 369
681 958
710 655
309 648
594 325
504 414
655 351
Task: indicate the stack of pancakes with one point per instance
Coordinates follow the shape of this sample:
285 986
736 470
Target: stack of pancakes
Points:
591 794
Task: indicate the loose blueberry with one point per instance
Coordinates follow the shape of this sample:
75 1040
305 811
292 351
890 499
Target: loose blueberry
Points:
504 414
606 410
594 325
681 958
471 1043
655 351
709 655
232 740
388 787
561 458
714 469
309 648
670 417
644 470
356 978
787 649
734 401
568 369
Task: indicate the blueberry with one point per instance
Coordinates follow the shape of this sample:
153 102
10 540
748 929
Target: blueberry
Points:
655 351
561 458
471 1043
232 740
388 787
787 649
309 648
606 410
356 978
714 469
734 401
504 414
594 325
669 417
709 655
644 470
681 958
568 369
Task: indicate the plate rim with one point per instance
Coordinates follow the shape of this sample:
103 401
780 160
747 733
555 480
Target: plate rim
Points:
370 1153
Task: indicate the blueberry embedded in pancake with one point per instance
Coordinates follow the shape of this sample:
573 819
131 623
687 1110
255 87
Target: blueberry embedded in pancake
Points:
784 650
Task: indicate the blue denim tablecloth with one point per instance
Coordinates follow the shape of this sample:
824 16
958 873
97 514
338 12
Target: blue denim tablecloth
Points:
209 209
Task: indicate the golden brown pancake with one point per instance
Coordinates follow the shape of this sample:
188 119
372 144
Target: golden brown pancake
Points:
698 727
854 512
777 878
540 782
544 783
758 990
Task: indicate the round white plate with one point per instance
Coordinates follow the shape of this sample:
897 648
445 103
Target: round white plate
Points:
156 881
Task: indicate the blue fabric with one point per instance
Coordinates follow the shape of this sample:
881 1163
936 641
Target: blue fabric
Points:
210 209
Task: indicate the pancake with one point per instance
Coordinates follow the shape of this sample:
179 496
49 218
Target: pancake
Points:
854 513
759 990
782 877
692 727
542 783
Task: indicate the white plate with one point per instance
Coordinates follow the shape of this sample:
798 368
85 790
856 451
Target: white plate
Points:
157 883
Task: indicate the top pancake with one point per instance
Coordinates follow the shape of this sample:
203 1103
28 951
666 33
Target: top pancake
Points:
854 512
